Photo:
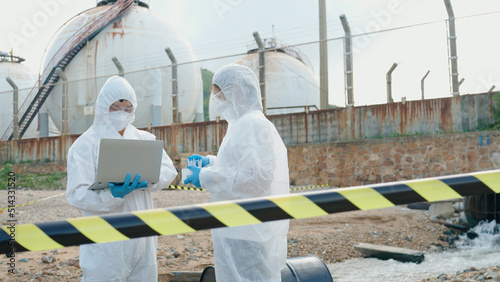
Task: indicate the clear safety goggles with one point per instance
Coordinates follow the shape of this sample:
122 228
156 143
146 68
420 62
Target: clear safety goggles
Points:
218 97
115 108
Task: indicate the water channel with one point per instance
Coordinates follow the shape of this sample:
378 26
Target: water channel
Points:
483 251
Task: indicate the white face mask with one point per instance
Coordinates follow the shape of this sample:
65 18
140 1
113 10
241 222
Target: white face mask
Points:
225 108
119 119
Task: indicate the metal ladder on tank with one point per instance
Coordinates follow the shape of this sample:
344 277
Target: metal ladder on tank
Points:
61 59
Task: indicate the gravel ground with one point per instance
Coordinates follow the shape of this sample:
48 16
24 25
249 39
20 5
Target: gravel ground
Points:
329 237
470 274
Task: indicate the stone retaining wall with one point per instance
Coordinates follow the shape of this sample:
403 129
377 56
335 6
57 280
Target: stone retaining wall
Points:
345 164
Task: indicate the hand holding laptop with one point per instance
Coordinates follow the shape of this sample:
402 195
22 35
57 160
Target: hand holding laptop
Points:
120 191
117 157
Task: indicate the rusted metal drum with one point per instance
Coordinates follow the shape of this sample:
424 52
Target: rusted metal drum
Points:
299 269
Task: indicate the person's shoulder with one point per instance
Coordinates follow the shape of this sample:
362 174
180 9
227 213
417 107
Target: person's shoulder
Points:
84 138
83 143
250 123
144 135
254 118
133 132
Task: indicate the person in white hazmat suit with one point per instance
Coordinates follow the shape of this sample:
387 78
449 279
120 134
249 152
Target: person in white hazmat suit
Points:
129 260
251 162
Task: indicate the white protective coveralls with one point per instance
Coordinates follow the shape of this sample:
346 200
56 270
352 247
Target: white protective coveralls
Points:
130 260
251 162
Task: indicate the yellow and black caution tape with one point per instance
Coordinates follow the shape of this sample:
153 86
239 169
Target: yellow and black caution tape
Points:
177 187
170 187
184 219
29 203
309 187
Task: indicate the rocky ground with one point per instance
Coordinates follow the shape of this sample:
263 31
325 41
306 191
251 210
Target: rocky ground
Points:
471 274
330 238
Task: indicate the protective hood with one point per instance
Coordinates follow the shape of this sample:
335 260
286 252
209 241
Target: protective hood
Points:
241 88
114 89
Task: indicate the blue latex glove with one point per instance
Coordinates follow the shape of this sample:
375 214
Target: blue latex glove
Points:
194 178
119 191
204 160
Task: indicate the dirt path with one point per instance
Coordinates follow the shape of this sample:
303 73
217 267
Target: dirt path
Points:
330 237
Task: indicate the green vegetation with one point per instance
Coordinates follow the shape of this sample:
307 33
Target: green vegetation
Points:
495 108
4 172
206 76
395 134
42 181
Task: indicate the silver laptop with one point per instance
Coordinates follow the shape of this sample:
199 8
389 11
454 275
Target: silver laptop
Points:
117 157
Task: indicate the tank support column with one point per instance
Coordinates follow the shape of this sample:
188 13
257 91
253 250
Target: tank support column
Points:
15 105
64 102
175 106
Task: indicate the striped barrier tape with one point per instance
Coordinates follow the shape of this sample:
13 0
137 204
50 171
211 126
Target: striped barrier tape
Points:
185 219
177 187
29 203
309 187
170 187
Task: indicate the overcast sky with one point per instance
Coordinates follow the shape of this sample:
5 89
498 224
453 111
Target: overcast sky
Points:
224 27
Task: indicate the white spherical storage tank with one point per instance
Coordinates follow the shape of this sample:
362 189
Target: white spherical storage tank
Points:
289 83
138 40
24 78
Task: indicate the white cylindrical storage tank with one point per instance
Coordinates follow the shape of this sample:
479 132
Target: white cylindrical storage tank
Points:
138 40
289 82
25 79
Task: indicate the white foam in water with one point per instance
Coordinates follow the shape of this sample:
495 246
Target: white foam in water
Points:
480 252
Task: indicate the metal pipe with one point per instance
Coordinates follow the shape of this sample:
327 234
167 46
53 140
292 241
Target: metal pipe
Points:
155 91
452 40
348 61
175 106
119 66
64 101
15 105
422 83
323 56
262 69
481 207
389 83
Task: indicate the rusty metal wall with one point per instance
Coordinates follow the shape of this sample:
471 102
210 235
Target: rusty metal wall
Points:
191 137
422 117
36 149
